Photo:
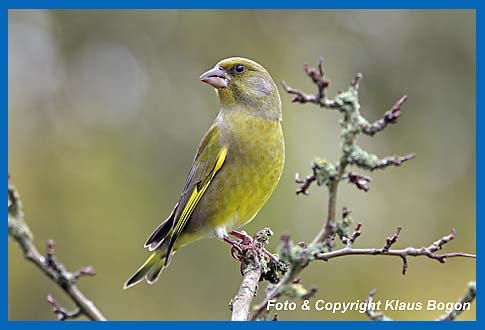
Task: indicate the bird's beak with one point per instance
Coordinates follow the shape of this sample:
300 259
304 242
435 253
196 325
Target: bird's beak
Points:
215 77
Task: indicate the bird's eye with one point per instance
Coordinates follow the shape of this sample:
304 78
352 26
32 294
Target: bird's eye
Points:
239 68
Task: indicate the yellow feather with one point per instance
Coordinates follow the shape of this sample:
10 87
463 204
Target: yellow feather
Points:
197 194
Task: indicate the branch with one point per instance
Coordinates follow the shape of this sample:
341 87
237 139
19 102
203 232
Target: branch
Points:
458 307
371 162
468 298
371 313
330 174
256 264
359 180
318 78
352 125
304 183
392 239
62 313
49 265
348 240
402 253
242 301
390 117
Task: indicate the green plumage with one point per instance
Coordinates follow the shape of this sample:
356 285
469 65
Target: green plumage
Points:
236 168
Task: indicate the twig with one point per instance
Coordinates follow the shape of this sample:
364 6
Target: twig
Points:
373 315
275 293
304 184
20 232
402 253
388 161
349 241
329 228
438 245
392 240
459 307
299 96
62 314
359 180
390 117
318 78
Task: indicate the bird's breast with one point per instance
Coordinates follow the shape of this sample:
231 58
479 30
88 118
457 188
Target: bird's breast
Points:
249 175
254 163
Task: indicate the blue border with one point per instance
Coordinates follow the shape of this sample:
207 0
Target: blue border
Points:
247 4
479 141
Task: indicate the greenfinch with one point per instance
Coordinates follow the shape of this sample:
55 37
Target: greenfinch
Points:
236 168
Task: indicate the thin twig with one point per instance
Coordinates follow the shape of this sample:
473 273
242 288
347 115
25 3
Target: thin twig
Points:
390 117
460 306
349 241
392 160
391 240
304 183
373 315
329 228
402 253
20 232
359 180
274 293
61 312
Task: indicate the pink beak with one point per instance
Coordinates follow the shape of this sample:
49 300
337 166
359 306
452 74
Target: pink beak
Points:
215 77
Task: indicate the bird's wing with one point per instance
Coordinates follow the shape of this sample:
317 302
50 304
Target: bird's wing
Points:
208 161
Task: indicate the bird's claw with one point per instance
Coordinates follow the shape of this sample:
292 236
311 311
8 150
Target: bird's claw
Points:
250 244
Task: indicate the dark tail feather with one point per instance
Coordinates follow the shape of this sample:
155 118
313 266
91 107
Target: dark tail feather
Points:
158 236
155 259
156 270
153 266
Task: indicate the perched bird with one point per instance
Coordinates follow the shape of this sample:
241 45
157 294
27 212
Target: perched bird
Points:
235 170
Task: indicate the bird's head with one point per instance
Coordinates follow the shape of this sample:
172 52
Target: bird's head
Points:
244 84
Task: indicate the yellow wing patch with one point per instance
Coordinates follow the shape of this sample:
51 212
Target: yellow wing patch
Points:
195 196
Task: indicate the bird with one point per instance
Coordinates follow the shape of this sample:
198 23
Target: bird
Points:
236 168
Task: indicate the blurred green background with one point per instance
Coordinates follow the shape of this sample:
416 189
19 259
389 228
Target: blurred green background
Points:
106 112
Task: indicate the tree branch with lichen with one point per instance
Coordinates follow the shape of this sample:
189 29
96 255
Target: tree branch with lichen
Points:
401 253
293 258
49 265
257 264
240 306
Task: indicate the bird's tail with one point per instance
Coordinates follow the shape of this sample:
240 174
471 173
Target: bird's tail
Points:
150 269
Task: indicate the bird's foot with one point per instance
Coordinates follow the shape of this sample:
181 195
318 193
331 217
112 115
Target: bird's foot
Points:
253 245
